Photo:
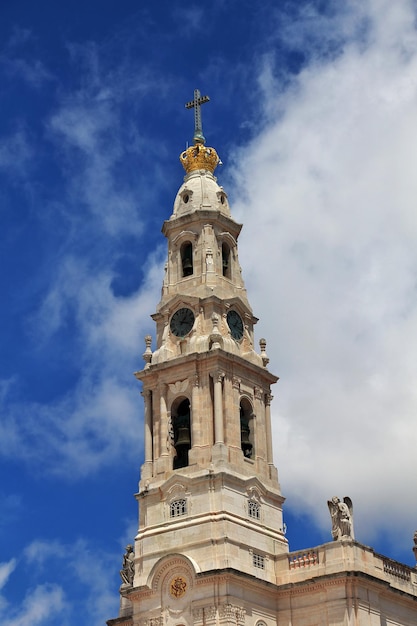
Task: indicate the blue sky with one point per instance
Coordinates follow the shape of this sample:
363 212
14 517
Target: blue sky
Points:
314 114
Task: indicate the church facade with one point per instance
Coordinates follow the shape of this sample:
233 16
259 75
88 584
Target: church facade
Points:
211 547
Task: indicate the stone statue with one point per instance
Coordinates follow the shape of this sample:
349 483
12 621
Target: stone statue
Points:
342 518
415 545
128 572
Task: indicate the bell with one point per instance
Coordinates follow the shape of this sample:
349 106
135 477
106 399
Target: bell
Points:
244 439
183 439
187 266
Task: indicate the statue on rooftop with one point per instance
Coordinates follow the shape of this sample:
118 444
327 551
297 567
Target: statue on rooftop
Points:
127 573
415 545
342 518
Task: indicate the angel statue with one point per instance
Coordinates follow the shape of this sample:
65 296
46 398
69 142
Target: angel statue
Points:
128 572
342 518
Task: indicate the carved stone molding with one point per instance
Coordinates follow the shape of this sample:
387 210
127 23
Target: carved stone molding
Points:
175 565
152 621
232 613
198 615
210 613
180 386
258 393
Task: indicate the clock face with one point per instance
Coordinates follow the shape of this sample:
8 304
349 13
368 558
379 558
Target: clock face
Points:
182 322
235 324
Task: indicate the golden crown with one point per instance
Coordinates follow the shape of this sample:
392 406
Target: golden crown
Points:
199 157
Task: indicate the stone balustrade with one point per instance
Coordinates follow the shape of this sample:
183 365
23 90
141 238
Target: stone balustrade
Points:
303 559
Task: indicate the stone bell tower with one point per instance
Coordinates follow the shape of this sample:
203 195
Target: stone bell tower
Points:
210 505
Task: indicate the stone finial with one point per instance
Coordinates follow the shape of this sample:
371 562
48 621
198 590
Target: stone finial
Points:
341 514
264 356
216 339
147 355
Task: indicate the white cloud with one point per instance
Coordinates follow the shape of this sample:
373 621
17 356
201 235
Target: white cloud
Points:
5 570
39 603
329 191
96 422
91 423
94 571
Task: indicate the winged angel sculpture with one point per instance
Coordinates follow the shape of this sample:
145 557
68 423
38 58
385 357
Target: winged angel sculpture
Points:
342 518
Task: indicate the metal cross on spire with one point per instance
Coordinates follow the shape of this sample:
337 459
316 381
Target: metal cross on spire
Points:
196 105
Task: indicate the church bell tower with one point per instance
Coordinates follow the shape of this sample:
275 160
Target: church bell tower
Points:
210 505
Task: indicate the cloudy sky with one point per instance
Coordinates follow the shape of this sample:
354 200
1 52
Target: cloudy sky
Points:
314 114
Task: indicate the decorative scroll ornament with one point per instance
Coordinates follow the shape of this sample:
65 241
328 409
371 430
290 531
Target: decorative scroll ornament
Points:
178 587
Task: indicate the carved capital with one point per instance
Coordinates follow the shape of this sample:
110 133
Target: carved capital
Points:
236 382
217 376
268 399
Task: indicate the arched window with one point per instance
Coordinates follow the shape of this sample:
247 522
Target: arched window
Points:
187 258
226 261
246 432
181 425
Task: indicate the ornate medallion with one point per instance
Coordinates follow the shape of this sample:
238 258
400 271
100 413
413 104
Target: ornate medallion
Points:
178 587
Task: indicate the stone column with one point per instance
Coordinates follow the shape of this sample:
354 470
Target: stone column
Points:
163 455
195 409
147 395
257 419
268 428
147 469
218 407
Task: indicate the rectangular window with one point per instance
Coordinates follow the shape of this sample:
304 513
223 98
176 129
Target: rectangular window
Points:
178 507
254 509
258 561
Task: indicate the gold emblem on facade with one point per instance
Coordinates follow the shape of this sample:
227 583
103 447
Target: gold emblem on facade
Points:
178 587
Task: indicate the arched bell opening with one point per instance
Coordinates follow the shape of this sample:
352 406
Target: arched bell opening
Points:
187 259
181 425
246 428
226 261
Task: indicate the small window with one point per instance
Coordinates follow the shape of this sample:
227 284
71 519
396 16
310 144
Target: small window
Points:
178 508
186 197
258 561
254 509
